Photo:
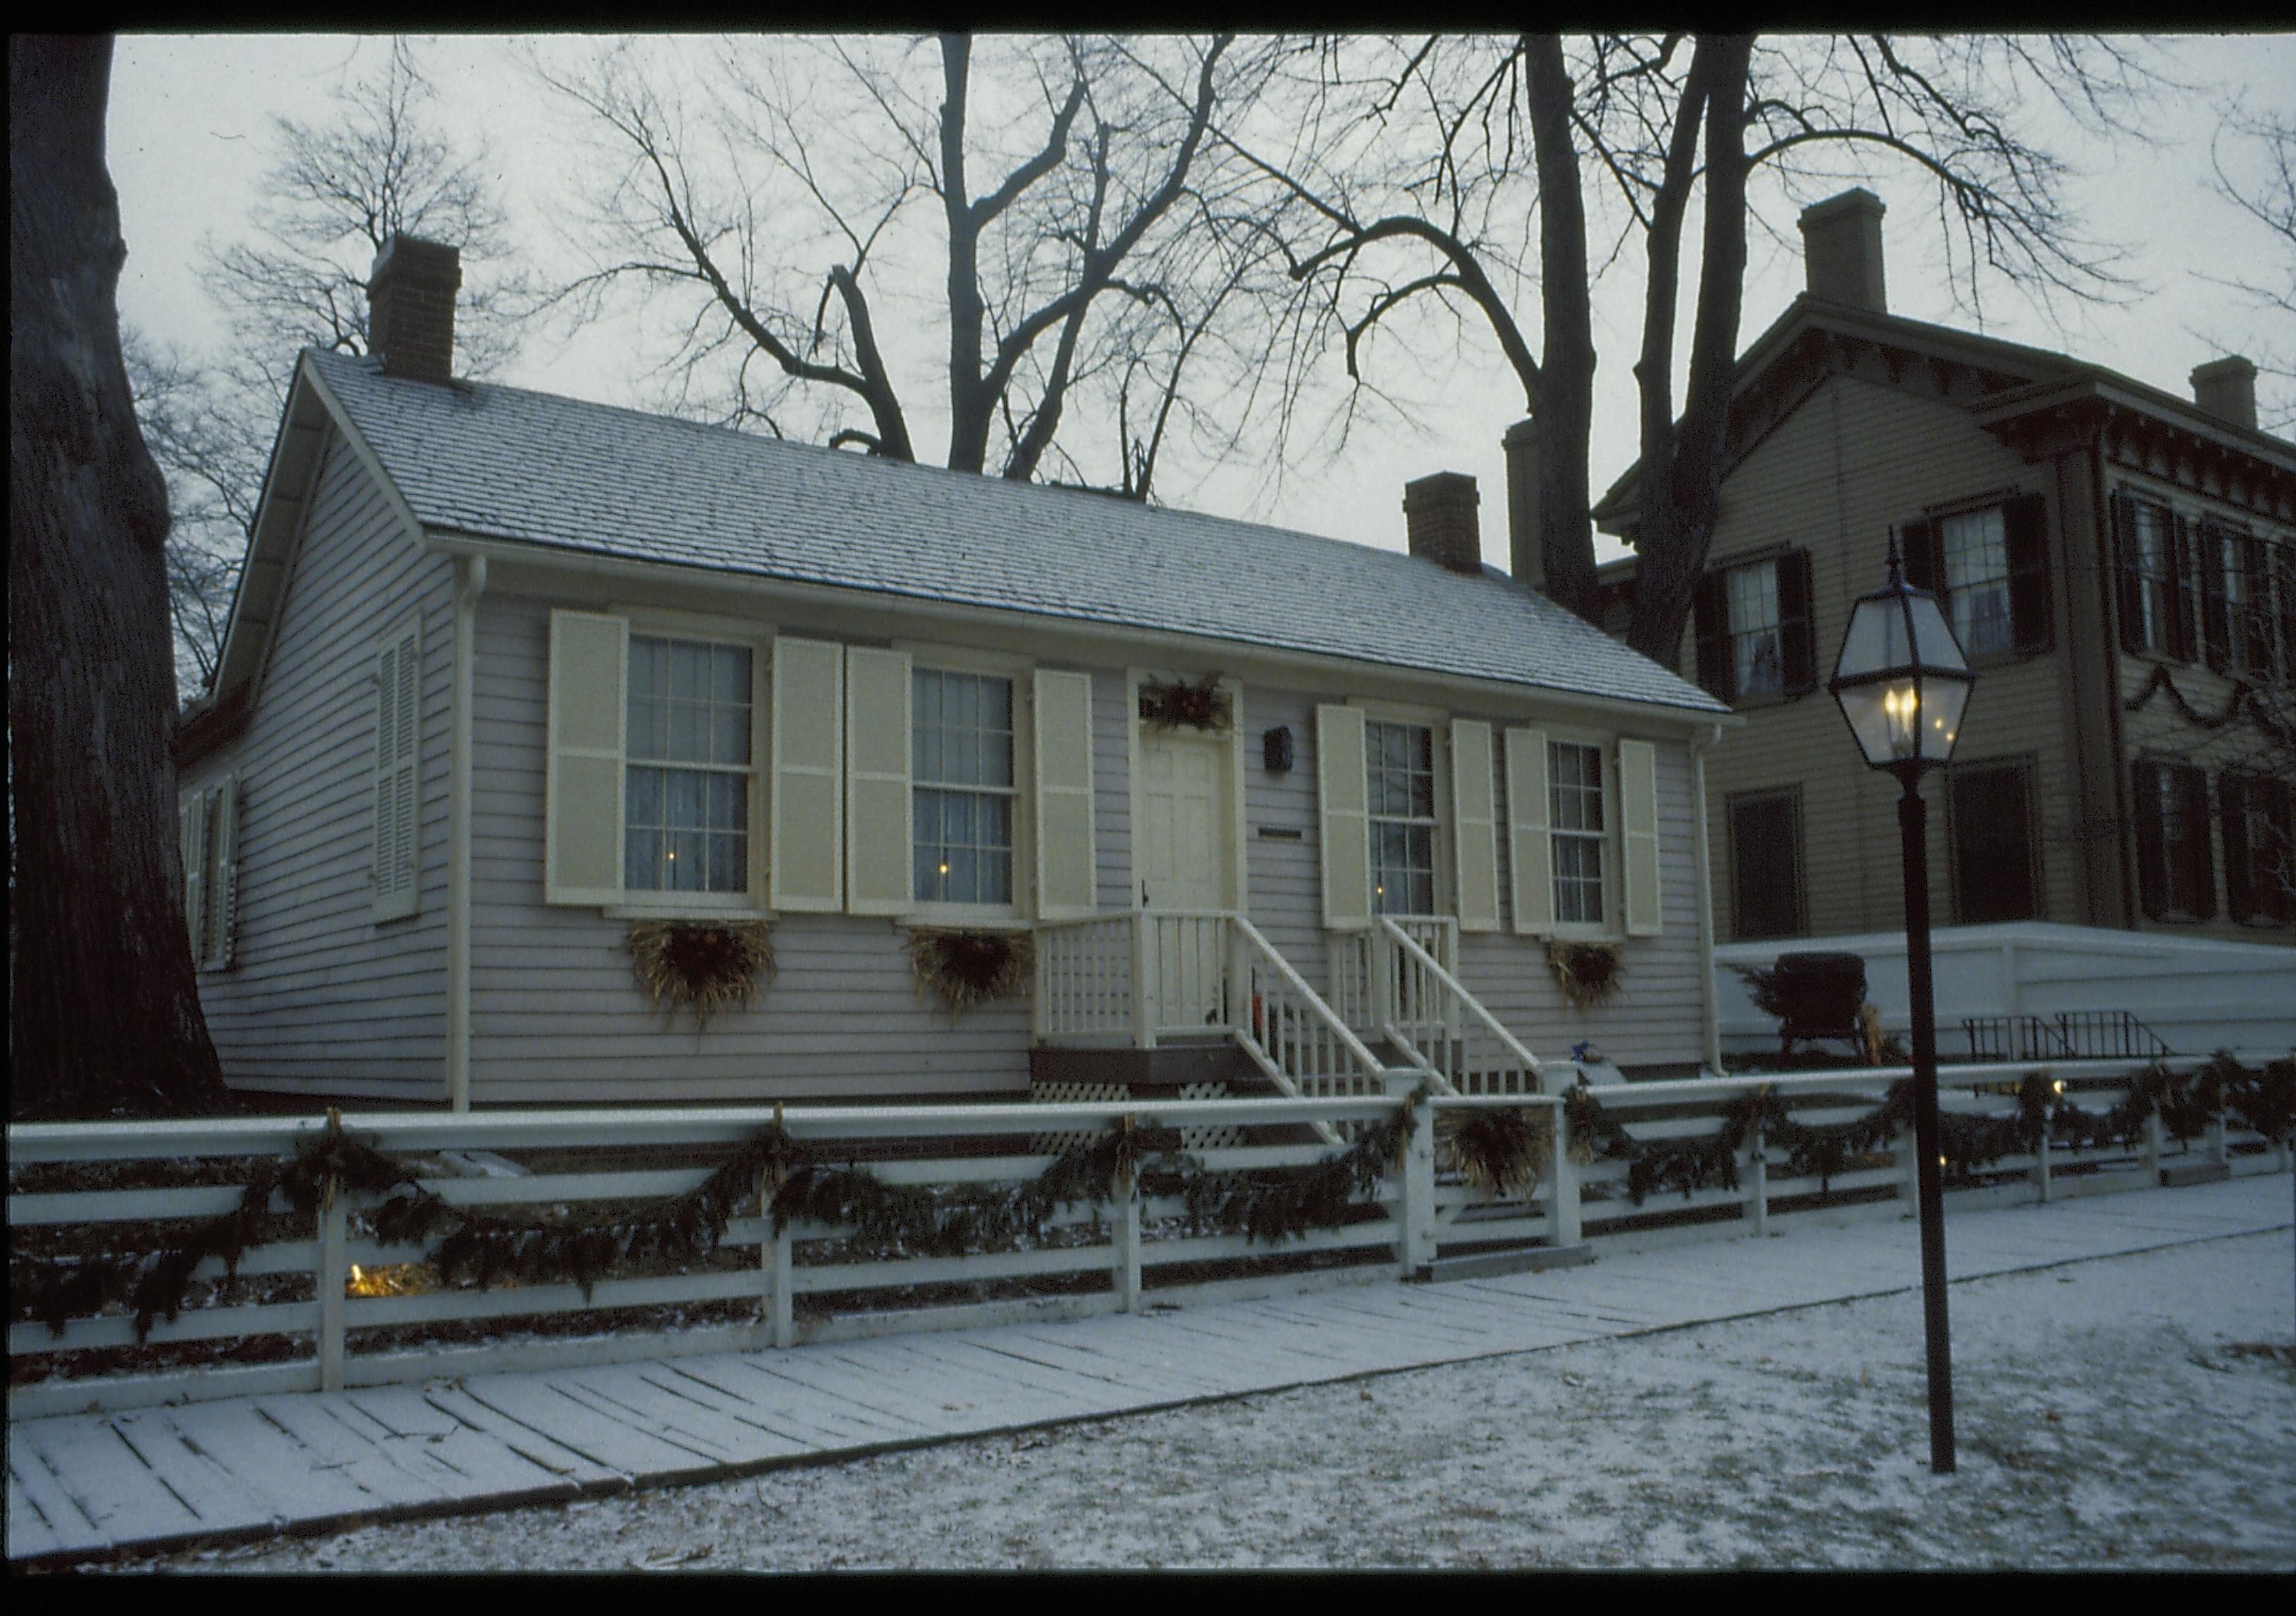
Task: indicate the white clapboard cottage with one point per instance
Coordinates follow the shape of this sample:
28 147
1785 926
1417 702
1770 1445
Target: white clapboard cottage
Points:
508 673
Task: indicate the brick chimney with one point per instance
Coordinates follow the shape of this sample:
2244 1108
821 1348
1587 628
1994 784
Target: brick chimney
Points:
411 308
1440 513
1842 249
1526 550
2227 389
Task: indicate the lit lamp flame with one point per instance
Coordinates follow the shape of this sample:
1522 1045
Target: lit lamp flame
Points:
1902 708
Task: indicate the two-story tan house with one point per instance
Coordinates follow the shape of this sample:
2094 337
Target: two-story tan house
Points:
2119 564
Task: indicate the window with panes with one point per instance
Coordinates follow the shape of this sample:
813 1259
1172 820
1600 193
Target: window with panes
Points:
962 789
1765 865
1990 821
689 767
2175 875
1401 762
2153 608
1757 662
1578 826
1974 547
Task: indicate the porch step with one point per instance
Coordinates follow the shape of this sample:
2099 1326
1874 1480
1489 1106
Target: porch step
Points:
1162 1071
1490 1264
2176 1175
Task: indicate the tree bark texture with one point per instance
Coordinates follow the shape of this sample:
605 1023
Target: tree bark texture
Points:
1681 475
104 1013
1565 416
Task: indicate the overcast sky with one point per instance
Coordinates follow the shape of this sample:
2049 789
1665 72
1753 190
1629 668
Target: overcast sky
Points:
191 135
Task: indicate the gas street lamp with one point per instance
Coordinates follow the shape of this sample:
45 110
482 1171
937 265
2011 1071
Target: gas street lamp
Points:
1902 684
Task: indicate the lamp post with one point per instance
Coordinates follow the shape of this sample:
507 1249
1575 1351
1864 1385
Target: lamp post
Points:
1902 684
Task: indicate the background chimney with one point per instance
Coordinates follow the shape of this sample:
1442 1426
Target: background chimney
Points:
1842 249
1440 513
410 300
1526 548
2227 389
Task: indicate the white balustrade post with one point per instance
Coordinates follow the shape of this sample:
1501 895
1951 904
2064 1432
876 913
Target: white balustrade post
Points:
1757 1182
1909 1157
1562 1173
1143 1034
780 1253
334 1277
2155 1140
2041 1162
1128 1246
1237 991
1415 1206
2219 1144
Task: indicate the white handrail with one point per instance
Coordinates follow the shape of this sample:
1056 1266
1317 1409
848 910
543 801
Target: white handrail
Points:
1291 1025
1517 1059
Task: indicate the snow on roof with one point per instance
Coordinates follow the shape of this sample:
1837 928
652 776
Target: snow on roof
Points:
505 464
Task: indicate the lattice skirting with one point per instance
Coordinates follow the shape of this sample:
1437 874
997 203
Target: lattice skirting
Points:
1216 1135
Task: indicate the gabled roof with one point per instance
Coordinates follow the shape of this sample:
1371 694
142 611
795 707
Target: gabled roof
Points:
523 468
2019 381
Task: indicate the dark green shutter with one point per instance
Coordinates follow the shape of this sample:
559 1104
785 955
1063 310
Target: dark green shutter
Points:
2152 859
2182 565
1711 616
1921 544
1797 642
2025 521
2211 544
2231 814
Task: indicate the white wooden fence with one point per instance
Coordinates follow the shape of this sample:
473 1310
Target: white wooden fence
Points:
772 1290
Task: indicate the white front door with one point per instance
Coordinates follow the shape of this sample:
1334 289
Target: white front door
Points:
1184 851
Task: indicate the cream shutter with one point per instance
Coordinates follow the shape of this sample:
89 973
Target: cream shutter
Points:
1065 811
398 711
808 856
589 710
1530 848
1343 789
1474 821
223 877
1638 814
191 825
877 801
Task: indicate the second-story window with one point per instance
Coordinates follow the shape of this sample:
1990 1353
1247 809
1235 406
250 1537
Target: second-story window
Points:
1401 764
2237 600
687 780
961 773
1975 550
1753 629
2156 605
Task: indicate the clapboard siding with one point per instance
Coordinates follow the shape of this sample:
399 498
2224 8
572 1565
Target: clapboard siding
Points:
319 997
1656 1016
557 1014
1854 460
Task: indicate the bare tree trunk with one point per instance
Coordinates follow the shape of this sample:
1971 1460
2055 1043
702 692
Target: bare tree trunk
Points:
1681 475
1565 414
104 1013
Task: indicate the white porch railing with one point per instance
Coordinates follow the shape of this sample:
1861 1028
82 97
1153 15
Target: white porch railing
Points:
1433 1018
1354 960
1085 973
1290 1033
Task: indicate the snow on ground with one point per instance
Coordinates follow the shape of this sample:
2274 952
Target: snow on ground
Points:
2106 1411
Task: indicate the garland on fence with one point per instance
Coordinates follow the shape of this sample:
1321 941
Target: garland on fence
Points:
2263 1102
1498 1152
1272 1204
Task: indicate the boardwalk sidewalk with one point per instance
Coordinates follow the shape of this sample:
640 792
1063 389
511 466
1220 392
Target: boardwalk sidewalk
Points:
91 1484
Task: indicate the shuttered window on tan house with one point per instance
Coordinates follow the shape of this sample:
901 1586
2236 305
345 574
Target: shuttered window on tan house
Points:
1753 631
1989 569
397 853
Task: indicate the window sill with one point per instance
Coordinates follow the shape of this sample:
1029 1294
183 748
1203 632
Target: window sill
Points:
686 912
961 920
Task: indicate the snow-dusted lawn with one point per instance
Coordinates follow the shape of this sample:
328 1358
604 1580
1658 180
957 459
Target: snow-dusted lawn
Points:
2107 1417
